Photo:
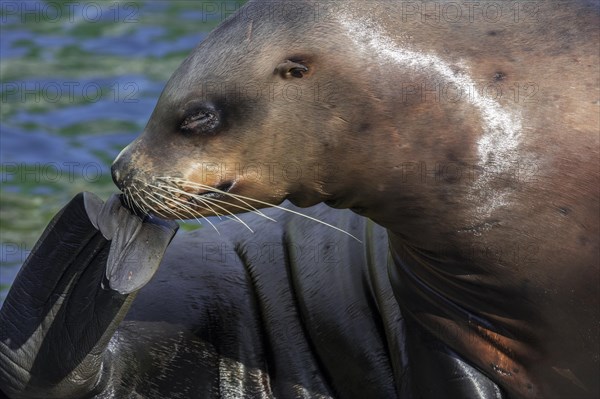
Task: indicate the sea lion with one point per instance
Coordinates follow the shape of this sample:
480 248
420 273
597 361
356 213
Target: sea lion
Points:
488 205
473 142
297 310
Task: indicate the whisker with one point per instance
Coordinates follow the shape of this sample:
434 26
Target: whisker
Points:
178 215
150 195
147 206
204 200
140 206
187 208
233 215
257 211
236 196
173 189
127 193
164 208
170 189
134 201
161 207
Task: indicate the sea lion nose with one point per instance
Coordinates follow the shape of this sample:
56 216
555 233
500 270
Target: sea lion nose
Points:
118 168
116 175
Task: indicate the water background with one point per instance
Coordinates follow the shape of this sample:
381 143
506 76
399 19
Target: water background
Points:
78 83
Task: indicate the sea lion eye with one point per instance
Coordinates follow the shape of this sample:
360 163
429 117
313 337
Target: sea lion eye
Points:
298 72
200 120
290 69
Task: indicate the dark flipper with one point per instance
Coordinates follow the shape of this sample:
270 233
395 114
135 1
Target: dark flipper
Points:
313 305
439 372
57 318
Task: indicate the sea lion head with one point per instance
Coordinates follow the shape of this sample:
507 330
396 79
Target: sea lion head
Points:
268 107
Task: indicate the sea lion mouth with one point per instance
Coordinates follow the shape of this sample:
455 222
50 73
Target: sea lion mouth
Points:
220 190
132 206
173 197
225 186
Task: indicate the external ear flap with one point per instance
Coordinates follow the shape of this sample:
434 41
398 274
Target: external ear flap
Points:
289 69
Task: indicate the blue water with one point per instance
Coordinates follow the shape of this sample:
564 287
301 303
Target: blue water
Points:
77 84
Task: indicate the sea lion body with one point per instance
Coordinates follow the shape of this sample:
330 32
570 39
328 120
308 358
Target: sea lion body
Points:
288 312
490 199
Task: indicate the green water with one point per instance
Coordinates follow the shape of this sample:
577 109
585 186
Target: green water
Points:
78 83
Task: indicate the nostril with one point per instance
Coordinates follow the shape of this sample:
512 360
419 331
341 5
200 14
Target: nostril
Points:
116 175
120 167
